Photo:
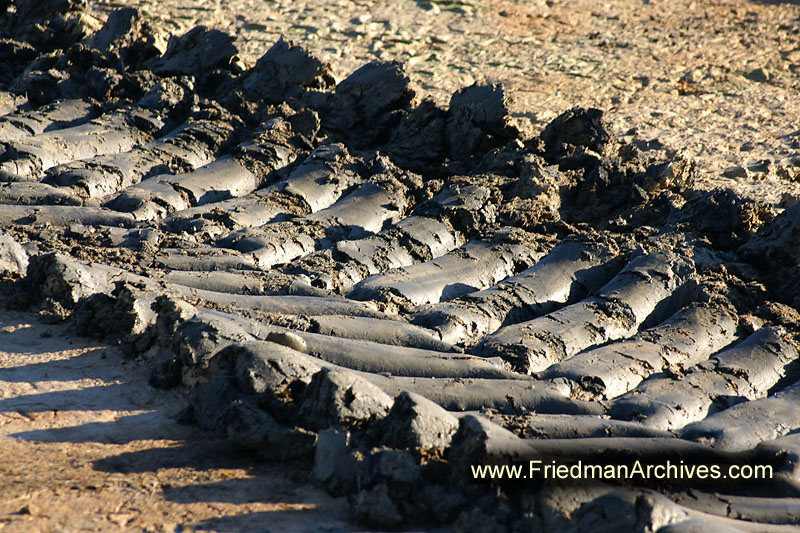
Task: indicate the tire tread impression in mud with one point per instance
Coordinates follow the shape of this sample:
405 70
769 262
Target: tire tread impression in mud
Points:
352 275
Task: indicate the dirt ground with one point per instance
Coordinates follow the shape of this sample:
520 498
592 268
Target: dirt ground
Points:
716 80
86 444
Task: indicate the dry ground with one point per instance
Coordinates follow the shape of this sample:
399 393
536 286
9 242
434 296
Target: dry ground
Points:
716 79
86 444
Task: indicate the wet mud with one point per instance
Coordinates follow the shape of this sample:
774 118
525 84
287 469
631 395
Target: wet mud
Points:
348 274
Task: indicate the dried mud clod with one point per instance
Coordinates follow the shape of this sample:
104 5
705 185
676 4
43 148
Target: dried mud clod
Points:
353 275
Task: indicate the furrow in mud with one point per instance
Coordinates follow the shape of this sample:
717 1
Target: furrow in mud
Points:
41 194
686 339
116 131
202 258
356 354
252 165
568 426
193 144
747 424
747 371
255 360
318 182
360 213
567 273
64 216
251 282
414 239
55 116
641 291
476 264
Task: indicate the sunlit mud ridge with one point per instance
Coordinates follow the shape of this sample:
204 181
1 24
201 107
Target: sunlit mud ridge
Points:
347 273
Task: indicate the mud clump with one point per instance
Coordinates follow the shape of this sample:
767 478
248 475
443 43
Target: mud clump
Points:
416 423
47 25
609 179
13 258
721 216
572 137
478 121
774 251
337 398
368 103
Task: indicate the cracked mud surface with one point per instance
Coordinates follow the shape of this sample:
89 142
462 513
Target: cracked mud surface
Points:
382 273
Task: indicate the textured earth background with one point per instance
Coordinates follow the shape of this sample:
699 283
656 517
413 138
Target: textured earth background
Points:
87 445
715 80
